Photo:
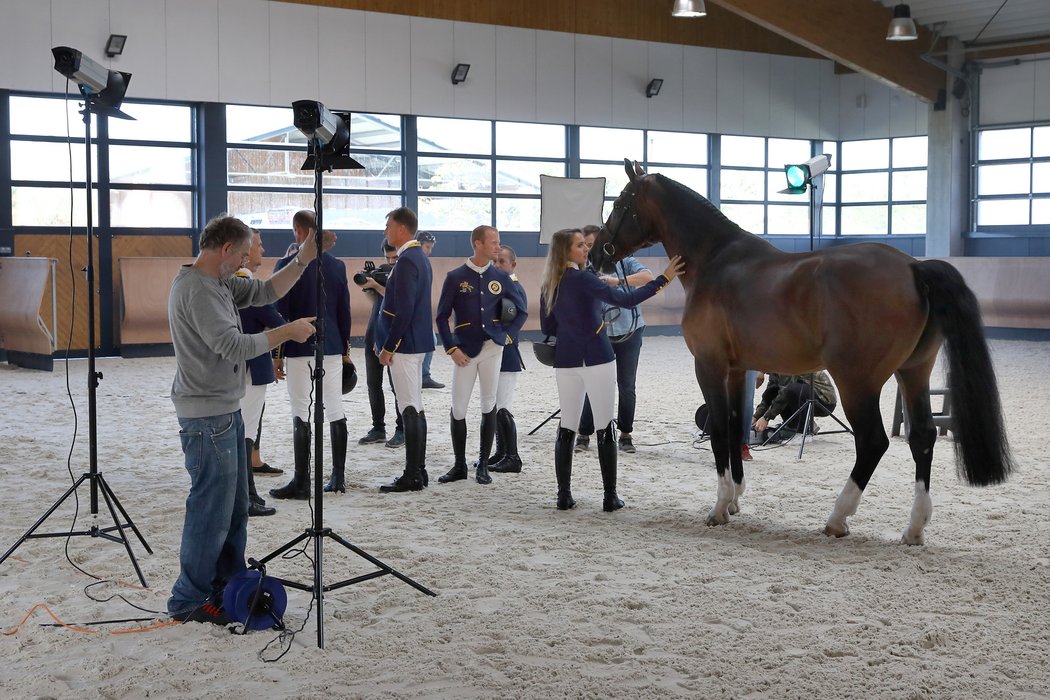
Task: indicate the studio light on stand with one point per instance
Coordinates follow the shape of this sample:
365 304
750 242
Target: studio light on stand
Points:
802 178
328 149
103 90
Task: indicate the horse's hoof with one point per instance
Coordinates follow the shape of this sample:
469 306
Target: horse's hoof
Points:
734 508
717 518
836 530
913 539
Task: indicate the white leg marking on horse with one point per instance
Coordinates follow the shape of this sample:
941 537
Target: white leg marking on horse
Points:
921 510
719 515
734 505
845 506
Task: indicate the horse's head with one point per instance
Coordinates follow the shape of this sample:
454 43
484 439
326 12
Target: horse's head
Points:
622 233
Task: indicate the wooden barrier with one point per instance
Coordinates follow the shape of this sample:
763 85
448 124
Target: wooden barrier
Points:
25 287
1013 292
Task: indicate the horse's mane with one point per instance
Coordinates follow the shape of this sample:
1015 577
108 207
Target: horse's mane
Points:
713 215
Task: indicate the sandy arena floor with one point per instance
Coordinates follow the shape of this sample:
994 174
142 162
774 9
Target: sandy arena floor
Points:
533 602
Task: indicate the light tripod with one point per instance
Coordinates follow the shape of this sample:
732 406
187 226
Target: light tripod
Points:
815 184
94 103
321 161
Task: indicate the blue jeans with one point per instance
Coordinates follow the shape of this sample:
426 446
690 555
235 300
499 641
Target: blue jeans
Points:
749 402
627 353
215 531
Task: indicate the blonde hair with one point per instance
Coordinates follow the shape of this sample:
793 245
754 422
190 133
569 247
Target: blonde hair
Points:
556 265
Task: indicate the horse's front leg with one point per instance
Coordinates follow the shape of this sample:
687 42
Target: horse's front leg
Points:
712 381
735 407
862 409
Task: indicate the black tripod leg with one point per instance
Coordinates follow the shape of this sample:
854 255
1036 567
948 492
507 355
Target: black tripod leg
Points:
284 548
386 569
805 426
548 419
107 495
42 518
124 513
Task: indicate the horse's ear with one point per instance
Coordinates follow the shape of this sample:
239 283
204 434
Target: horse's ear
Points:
638 170
630 170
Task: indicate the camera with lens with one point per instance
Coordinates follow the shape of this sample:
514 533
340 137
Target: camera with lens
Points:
371 272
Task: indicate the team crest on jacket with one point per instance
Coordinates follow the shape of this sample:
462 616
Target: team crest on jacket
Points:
495 287
466 287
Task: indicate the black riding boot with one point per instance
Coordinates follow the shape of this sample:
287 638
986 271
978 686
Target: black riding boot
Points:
256 505
459 449
421 450
505 426
411 479
500 451
563 466
488 431
337 429
607 461
299 487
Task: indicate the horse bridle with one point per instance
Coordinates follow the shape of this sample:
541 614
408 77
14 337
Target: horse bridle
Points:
609 248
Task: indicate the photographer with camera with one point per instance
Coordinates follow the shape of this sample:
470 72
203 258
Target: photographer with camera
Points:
372 281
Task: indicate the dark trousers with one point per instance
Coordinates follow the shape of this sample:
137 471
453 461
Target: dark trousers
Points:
374 380
797 393
627 353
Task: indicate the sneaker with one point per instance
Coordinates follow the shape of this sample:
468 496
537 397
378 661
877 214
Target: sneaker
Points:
429 383
583 442
209 612
626 445
398 440
745 453
374 436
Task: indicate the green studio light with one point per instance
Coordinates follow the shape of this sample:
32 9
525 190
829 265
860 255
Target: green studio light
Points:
800 176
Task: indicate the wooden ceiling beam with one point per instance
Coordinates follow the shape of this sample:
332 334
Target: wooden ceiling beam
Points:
850 32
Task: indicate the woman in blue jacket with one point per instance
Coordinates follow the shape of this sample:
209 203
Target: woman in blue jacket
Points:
584 364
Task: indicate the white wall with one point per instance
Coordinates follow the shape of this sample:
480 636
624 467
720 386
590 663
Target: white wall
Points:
261 52
1015 94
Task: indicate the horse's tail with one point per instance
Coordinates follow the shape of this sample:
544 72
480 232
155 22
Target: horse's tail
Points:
981 450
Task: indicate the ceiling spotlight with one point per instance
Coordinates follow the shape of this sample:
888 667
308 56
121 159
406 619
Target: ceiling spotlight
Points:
115 45
688 8
459 73
902 26
653 88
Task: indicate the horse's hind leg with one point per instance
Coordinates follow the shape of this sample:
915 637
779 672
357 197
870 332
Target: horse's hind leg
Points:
861 405
915 392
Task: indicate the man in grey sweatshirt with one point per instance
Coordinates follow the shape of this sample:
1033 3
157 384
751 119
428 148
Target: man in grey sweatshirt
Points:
210 355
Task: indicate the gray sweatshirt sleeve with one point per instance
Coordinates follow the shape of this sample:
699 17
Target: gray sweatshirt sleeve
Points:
218 325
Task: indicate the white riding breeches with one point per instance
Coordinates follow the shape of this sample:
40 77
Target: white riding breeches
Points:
300 386
576 384
484 368
505 393
406 374
252 406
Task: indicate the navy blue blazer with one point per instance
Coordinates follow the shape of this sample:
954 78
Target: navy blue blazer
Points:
256 319
476 300
576 318
511 353
406 324
301 301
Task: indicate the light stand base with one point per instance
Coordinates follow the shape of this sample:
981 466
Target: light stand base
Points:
96 480
807 409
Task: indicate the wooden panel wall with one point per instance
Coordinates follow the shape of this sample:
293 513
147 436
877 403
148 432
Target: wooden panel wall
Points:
67 284
646 20
58 246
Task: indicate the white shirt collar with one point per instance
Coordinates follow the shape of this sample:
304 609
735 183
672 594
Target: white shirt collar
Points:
411 243
574 266
475 268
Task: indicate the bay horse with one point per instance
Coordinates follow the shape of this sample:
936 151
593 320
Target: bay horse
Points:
864 312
